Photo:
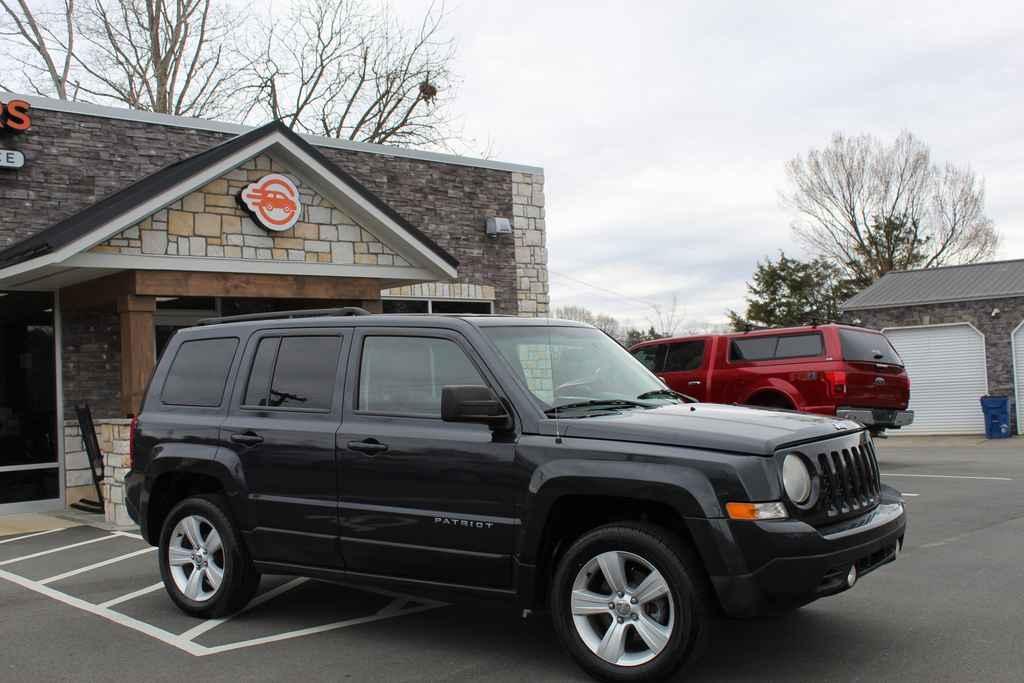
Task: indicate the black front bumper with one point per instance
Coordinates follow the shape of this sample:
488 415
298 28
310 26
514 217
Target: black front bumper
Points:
795 563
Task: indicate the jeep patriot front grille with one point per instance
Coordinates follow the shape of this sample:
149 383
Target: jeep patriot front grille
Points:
847 474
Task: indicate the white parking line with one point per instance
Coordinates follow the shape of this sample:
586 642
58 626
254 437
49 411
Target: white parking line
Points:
96 565
944 476
205 626
913 495
390 610
134 594
38 533
108 614
57 550
400 605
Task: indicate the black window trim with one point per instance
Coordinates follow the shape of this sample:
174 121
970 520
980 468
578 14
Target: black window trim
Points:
227 377
280 333
428 333
775 359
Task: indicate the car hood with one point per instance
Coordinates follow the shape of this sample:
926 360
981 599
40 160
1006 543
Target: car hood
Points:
735 429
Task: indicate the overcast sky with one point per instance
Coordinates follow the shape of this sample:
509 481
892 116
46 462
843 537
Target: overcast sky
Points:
663 127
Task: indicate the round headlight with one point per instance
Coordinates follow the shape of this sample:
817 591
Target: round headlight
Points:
796 479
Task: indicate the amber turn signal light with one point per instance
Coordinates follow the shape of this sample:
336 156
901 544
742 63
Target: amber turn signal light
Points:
756 511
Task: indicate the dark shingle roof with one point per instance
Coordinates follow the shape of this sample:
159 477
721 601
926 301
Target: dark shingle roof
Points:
973 282
83 222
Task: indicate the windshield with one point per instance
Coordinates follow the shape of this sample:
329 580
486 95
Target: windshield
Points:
871 347
565 366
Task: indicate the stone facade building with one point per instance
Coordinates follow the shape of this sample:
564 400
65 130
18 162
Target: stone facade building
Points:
960 330
121 227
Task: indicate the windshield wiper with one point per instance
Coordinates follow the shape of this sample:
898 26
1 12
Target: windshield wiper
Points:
598 403
667 392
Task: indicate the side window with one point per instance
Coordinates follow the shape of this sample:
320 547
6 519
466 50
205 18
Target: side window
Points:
684 356
405 375
753 348
797 345
651 356
293 372
199 372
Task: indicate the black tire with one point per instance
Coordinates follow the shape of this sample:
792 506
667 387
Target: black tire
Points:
687 584
240 578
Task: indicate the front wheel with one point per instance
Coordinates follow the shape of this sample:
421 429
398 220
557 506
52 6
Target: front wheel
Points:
204 565
629 603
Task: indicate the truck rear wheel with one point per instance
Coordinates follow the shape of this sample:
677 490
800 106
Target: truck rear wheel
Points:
630 603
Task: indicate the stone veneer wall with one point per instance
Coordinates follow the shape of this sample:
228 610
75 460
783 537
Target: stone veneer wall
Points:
997 331
211 223
91 362
113 437
529 232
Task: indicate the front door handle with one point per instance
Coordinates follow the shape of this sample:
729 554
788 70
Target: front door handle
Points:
369 446
694 382
247 438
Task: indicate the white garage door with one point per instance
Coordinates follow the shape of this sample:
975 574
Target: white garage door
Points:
947 369
1018 373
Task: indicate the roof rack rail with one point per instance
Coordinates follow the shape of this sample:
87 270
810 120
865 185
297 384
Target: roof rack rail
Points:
278 315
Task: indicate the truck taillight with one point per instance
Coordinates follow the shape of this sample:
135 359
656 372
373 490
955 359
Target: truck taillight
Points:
131 442
837 378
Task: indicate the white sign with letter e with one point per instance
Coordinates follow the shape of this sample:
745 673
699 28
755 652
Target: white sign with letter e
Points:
11 159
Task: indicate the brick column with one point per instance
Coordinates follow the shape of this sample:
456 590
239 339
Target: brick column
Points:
138 348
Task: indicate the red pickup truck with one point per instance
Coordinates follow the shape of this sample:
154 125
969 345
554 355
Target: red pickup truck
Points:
849 372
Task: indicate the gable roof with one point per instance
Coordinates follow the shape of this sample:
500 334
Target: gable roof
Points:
972 282
123 201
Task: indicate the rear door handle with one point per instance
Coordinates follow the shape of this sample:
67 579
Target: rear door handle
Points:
247 438
694 382
369 446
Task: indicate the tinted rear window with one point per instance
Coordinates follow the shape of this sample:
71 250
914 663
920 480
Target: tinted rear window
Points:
199 373
294 372
776 347
870 347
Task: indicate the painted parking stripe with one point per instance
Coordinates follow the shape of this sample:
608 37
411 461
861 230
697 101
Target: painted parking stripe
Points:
944 476
38 533
108 614
209 624
57 550
393 609
913 495
96 565
134 594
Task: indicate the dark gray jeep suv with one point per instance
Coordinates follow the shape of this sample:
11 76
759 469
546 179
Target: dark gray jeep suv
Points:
528 461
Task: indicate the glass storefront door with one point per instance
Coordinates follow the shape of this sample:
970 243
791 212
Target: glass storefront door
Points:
29 467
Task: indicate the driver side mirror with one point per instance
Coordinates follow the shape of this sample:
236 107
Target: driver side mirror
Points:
472 403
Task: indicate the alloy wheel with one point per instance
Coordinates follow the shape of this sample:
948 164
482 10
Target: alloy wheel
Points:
622 608
195 556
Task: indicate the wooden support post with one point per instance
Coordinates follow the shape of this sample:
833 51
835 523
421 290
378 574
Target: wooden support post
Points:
138 348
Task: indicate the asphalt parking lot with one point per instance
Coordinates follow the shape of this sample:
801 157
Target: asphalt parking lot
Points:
84 604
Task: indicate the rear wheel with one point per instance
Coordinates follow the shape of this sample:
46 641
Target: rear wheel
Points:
629 603
205 567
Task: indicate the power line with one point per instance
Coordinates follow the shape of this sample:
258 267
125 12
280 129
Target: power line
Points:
645 302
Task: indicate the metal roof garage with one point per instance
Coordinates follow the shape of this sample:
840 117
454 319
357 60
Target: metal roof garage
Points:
960 331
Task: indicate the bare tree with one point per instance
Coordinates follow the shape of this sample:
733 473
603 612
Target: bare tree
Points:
346 69
666 320
168 56
871 208
49 33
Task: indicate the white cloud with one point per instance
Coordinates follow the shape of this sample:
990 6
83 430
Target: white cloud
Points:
663 127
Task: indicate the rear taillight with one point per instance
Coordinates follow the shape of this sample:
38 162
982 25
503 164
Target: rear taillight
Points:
836 378
131 442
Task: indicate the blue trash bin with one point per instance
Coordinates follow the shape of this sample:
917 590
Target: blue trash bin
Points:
997 416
